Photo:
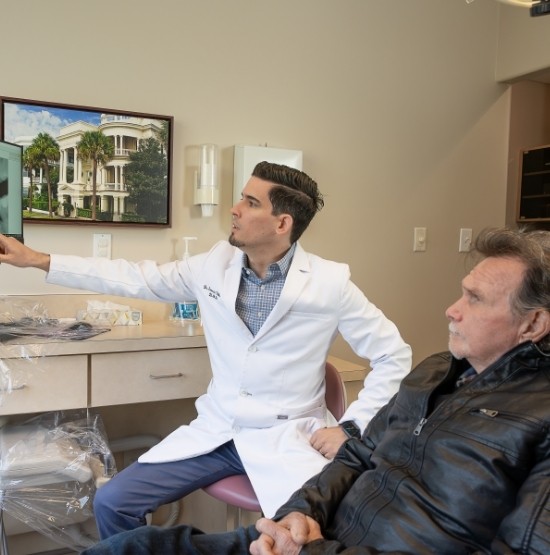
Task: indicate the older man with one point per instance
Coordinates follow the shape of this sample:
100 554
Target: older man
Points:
457 462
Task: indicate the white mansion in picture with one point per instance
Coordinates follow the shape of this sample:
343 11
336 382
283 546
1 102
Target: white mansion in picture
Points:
75 175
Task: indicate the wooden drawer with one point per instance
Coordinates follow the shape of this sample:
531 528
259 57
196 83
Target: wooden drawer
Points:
136 377
43 384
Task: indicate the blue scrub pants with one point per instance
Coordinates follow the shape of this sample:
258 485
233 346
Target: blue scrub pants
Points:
124 501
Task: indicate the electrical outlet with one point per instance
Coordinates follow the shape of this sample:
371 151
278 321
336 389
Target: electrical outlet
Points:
102 245
465 241
420 234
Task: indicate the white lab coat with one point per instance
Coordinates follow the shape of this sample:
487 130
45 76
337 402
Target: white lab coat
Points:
267 391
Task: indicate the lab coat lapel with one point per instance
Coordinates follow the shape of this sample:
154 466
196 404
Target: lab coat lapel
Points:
298 275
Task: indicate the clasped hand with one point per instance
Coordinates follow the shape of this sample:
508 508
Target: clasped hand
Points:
328 440
285 537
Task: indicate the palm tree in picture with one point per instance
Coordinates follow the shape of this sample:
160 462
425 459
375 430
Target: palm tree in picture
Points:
163 135
98 149
31 162
47 152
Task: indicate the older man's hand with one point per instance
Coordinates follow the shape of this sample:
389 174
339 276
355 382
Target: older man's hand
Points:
285 537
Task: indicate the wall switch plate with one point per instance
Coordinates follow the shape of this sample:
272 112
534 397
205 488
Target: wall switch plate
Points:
102 245
420 234
465 241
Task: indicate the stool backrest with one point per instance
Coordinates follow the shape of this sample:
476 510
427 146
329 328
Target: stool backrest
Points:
335 393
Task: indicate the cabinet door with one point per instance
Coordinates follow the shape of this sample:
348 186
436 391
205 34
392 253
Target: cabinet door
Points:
136 377
534 187
43 384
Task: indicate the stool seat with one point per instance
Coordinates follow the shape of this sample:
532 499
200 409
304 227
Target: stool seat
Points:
235 490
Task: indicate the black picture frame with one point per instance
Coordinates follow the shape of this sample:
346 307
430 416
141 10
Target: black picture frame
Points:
131 151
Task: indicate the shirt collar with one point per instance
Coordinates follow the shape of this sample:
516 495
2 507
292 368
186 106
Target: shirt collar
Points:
466 377
283 263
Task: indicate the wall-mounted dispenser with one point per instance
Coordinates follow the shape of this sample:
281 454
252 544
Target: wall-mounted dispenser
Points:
246 158
206 179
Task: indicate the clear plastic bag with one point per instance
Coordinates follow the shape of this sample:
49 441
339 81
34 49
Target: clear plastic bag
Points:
21 321
25 329
50 468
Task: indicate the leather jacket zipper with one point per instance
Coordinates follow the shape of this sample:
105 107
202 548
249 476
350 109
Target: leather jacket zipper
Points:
491 413
510 416
419 426
422 422
487 412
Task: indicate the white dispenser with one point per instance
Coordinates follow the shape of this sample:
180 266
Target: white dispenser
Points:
186 311
206 180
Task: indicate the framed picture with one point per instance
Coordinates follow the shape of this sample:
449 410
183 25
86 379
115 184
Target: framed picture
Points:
91 166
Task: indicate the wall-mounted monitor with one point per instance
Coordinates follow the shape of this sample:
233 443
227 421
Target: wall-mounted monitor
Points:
11 190
246 158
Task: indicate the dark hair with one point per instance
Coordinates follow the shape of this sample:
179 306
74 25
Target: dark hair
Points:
532 247
294 193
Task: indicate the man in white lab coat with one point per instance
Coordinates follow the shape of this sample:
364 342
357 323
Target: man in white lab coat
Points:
270 313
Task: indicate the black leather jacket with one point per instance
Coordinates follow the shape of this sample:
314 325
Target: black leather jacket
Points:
471 475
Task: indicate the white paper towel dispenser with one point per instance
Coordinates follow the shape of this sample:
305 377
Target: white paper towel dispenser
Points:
246 158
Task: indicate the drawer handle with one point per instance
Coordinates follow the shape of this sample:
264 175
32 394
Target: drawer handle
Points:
165 376
15 388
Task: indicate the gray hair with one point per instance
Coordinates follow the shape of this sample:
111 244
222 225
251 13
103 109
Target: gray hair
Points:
532 247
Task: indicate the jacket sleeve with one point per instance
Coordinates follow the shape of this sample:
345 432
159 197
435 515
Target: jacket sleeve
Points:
320 496
329 547
526 528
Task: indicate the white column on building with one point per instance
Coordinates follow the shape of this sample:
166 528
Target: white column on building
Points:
62 162
76 168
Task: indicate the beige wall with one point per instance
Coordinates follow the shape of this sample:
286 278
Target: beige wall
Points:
395 107
523 44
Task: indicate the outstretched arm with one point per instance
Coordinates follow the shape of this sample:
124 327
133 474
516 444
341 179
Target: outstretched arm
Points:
15 253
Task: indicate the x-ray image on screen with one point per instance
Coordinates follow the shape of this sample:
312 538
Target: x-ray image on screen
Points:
4 215
11 190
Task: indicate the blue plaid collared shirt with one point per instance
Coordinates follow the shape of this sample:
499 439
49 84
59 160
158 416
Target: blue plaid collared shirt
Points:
257 297
466 377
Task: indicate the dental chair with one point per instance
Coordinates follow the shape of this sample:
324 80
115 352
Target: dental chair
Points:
237 491
47 483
